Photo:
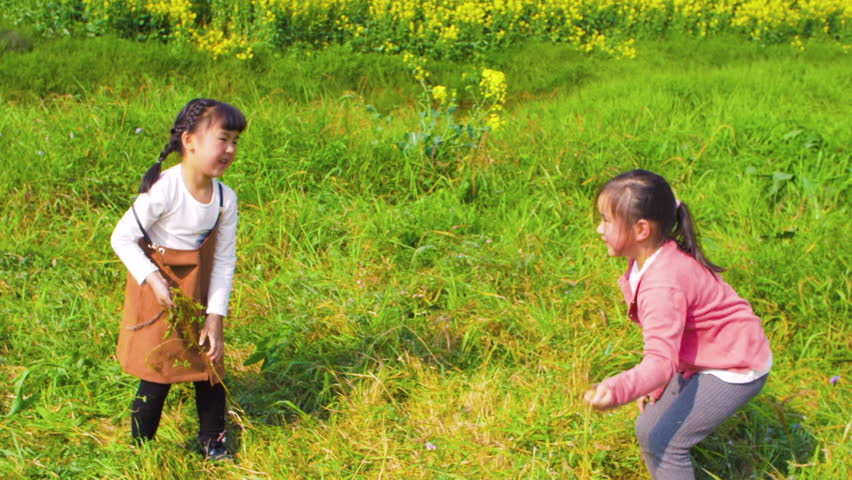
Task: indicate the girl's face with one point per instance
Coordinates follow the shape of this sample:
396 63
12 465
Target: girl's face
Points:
617 236
212 149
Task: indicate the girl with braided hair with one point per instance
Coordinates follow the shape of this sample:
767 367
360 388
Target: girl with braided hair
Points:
180 233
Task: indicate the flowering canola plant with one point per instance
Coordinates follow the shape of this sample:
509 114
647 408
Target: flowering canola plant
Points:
492 86
447 28
448 137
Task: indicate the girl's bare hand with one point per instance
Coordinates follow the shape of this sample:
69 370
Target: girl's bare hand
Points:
644 401
213 337
161 289
599 397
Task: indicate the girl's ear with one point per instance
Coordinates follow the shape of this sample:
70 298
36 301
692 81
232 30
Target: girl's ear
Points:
186 138
642 230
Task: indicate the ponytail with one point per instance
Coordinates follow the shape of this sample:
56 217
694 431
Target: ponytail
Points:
686 237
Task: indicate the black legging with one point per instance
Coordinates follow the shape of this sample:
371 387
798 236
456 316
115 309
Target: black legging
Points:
147 408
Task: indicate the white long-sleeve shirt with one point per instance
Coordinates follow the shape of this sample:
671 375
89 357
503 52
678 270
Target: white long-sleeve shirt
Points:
173 218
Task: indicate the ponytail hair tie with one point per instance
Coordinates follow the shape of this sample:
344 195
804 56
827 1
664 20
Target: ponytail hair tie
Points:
677 200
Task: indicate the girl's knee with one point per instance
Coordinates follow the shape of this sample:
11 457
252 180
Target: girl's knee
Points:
150 393
654 438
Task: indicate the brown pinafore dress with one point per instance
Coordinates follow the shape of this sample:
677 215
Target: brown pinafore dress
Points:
142 349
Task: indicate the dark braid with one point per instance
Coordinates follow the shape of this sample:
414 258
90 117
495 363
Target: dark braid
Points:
153 173
186 121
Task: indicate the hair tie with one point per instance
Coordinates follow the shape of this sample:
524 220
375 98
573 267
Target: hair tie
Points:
677 200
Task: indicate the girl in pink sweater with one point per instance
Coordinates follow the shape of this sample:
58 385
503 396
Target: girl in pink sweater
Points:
705 350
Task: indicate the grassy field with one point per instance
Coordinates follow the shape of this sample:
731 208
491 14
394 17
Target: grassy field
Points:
397 315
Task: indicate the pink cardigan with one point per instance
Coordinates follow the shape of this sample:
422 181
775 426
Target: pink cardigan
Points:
691 321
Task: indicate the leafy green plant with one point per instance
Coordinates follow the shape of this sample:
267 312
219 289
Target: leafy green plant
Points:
185 319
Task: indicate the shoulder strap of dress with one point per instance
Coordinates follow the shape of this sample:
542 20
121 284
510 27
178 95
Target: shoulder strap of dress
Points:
221 205
144 233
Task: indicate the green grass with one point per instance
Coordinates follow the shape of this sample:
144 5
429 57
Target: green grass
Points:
394 301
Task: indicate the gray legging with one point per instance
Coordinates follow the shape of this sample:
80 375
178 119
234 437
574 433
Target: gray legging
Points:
686 413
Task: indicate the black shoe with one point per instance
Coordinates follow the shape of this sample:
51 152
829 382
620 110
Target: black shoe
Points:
214 450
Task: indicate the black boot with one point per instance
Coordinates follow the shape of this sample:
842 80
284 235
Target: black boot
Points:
214 449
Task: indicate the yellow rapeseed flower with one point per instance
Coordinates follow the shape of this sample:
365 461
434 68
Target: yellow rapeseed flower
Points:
439 93
494 121
492 87
454 27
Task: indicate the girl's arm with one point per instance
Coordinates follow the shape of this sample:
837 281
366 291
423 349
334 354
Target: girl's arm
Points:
225 257
221 279
662 313
125 237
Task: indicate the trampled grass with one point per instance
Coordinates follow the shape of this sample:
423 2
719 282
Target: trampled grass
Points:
399 317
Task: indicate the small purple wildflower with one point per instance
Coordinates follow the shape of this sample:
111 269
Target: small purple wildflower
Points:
431 446
834 379
139 130
71 135
40 152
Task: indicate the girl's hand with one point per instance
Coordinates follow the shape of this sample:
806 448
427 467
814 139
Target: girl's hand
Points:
161 289
643 401
211 336
599 397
